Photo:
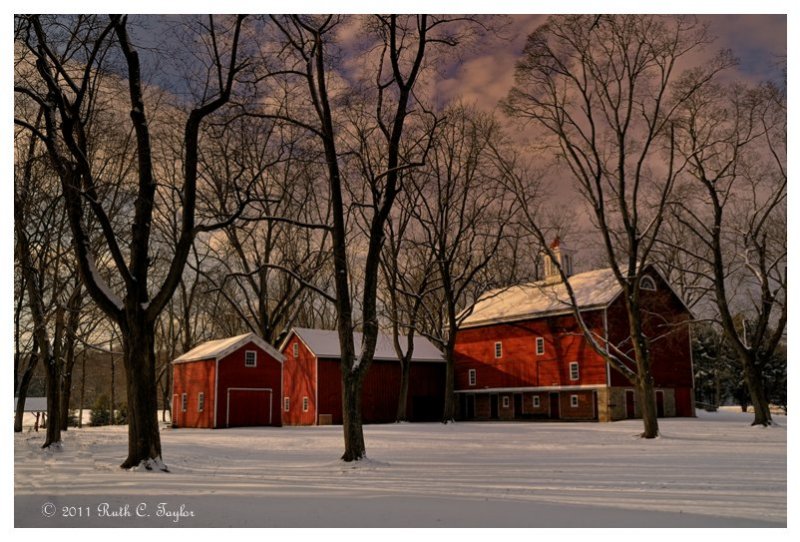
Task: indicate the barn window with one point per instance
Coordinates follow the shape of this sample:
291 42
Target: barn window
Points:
574 371
473 377
537 402
250 359
305 404
286 404
498 350
573 401
183 402
506 401
539 346
647 283
201 401
295 349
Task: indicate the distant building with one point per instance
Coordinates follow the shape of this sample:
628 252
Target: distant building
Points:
520 353
312 380
227 383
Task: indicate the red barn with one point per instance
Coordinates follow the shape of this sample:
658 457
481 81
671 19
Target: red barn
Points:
312 380
227 383
521 354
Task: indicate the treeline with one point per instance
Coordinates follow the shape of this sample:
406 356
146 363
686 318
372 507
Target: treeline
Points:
183 179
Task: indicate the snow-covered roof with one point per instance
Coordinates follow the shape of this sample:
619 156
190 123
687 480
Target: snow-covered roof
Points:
593 289
33 404
222 347
324 343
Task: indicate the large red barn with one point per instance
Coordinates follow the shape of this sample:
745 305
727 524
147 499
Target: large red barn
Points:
227 383
521 354
312 380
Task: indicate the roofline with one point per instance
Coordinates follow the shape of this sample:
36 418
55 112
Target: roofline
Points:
587 308
261 343
535 315
293 331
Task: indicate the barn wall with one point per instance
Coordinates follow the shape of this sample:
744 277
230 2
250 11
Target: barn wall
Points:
299 381
585 409
234 374
519 365
671 352
192 378
381 390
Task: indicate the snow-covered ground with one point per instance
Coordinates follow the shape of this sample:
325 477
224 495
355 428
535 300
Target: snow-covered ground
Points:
714 471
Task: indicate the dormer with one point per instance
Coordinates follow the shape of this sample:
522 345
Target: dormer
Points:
563 256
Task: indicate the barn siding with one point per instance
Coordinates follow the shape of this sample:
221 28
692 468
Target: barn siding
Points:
671 352
234 374
192 378
299 381
381 390
519 365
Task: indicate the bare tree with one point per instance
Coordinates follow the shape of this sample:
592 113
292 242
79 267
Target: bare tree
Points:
464 213
408 268
366 146
605 90
69 57
734 210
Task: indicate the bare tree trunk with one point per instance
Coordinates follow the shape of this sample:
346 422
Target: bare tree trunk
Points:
73 321
354 447
83 388
644 377
755 385
449 413
144 439
53 434
402 402
22 392
113 381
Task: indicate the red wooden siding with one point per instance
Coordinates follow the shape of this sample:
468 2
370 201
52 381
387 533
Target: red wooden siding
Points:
670 346
192 378
265 375
299 381
246 407
520 366
382 389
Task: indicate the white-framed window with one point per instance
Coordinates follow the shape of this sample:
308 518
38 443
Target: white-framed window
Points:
647 283
286 404
506 401
573 401
295 349
539 346
498 350
574 371
305 404
250 358
473 377
201 401
537 401
184 402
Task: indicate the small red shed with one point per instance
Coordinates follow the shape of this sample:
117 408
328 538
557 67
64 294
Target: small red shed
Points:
312 388
228 383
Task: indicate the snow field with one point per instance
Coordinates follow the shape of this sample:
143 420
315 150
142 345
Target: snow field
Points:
713 471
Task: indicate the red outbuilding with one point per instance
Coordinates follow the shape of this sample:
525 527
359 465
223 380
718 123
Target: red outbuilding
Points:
228 383
312 380
521 353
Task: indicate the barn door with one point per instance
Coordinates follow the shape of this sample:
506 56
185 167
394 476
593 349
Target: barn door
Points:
555 410
660 403
630 404
249 407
